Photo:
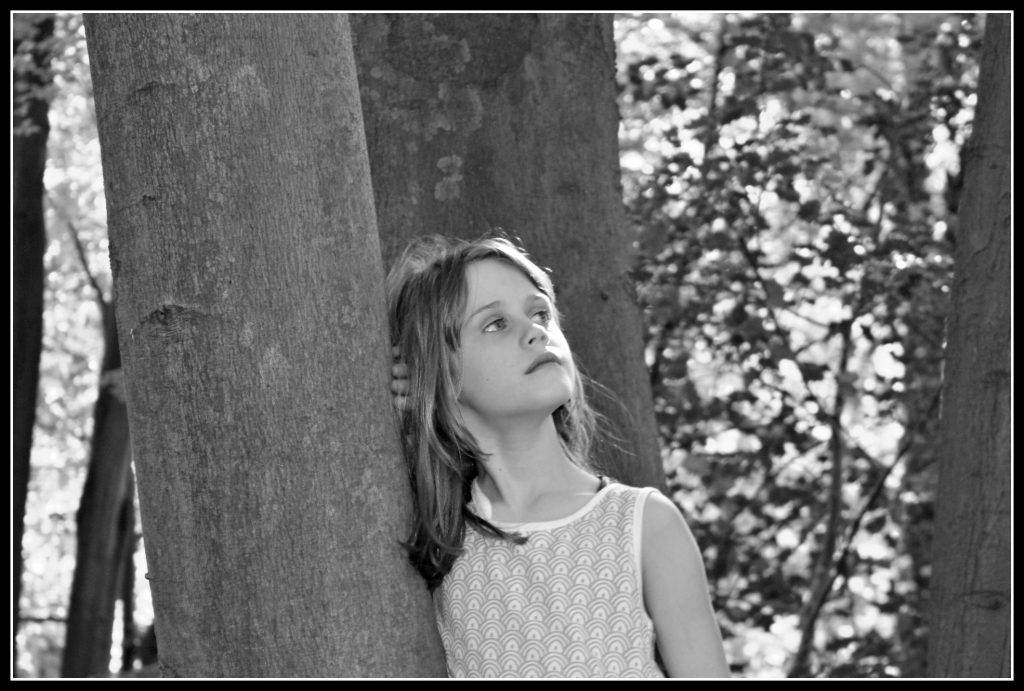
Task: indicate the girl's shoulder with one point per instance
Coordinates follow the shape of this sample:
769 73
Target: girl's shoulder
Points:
617 497
658 509
619 489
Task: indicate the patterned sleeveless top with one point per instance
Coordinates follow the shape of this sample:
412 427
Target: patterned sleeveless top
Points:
567 603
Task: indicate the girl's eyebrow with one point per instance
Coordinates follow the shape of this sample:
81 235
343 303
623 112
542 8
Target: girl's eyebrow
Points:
498 303
488 306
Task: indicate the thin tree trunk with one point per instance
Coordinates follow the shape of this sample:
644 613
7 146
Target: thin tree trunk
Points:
485 121
28 227
251 321
828 560
126 562
970 589
99 564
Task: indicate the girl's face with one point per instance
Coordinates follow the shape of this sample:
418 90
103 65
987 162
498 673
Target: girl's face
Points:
514 359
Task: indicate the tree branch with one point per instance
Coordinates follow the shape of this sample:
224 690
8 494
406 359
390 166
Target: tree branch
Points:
824 576
876 491
100 295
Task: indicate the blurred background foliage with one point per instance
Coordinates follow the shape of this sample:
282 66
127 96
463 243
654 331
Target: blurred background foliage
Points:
792 180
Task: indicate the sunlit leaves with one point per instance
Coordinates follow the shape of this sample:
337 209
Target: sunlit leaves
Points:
790 196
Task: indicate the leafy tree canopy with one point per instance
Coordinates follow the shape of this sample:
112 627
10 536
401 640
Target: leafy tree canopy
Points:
793 181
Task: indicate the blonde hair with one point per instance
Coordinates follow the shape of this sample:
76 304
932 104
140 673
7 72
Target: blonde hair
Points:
426 300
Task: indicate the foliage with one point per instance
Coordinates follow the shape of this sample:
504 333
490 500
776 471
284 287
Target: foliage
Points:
793 181
30 66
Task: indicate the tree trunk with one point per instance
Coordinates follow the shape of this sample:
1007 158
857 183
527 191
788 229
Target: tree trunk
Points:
101 535
251 320
970 598
28 245
478 121
126 562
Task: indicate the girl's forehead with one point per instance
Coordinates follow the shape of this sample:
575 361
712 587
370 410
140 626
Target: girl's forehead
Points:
488 280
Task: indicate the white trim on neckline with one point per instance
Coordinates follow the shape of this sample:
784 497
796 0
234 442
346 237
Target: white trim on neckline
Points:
481 506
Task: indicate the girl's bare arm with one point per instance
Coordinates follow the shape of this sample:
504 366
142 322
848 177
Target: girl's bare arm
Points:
676 594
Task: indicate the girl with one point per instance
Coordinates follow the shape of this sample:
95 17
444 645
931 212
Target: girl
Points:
538 565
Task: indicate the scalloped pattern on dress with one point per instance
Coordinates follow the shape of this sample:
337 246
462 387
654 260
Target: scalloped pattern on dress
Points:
568 603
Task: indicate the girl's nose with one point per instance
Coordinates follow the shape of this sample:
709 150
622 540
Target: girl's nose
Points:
537 333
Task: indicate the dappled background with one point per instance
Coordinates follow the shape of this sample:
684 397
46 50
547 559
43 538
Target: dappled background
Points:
792 183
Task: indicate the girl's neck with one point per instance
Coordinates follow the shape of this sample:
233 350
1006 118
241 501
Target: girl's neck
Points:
529 476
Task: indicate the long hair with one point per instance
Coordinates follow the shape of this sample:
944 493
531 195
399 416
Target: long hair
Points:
427 294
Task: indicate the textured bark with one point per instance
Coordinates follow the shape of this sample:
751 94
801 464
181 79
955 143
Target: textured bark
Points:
475 122
28 245
970 596
251 321
101 533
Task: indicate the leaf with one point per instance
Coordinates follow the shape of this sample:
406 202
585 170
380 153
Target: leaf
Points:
809 210
787 193
774 293
752 329
675 368
812 371
697 463
779 350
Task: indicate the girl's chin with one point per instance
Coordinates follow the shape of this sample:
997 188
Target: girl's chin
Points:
538 413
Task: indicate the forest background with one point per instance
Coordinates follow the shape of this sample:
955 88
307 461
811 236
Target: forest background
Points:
793 182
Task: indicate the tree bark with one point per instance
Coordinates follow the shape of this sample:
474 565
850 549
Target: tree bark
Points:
28 246
483 121
970 589
101 535
251 322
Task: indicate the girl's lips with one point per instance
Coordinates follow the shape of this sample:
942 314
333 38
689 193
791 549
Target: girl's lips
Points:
542 360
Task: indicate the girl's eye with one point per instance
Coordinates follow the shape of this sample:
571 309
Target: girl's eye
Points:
543 316
495 325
